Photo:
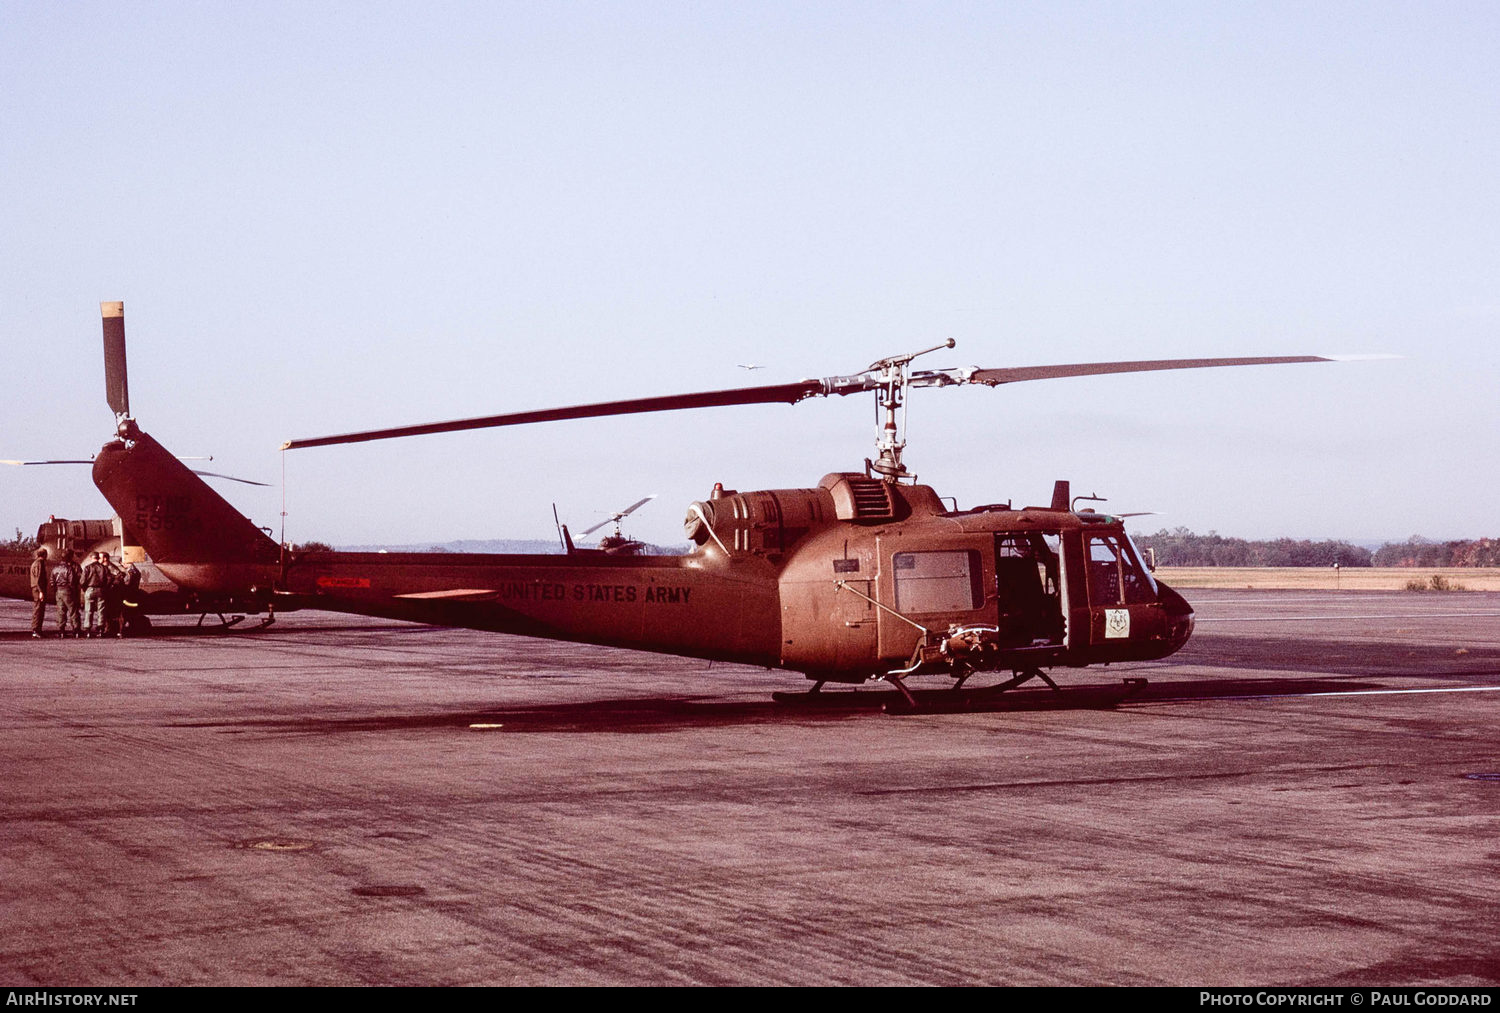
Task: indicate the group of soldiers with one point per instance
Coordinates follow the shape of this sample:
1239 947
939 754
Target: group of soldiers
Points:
90 599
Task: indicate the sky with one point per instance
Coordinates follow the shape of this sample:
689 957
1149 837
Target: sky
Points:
324 217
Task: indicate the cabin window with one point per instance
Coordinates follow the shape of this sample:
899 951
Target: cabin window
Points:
1116 575
938 581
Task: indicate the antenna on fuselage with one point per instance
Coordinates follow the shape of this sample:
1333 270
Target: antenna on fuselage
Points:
562 533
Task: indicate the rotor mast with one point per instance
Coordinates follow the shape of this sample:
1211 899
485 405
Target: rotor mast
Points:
890 384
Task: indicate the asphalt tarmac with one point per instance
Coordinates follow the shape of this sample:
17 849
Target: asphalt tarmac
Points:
1308 793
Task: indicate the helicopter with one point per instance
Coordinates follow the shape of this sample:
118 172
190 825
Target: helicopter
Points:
615 543
865 576
153 595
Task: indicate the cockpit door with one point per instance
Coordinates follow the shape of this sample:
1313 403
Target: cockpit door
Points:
1123 599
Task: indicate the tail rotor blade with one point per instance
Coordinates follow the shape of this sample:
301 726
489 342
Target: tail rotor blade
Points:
116 384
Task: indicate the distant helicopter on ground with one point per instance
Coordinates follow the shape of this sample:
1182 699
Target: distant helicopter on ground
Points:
614 543
867 575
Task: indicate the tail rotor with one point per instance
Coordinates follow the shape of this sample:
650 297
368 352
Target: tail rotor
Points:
116 380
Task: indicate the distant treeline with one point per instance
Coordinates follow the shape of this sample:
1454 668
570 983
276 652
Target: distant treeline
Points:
1180 547
20 543
1422 552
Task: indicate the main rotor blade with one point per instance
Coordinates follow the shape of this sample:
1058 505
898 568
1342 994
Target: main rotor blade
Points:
215 474
116 383
994 377
206 474
788 393
791 393
632 508
24 463
613 518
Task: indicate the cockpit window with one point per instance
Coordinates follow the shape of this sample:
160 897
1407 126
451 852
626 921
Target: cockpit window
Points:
1116 575
1145 571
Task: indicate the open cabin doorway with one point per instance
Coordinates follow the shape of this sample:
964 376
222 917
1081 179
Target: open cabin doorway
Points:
1029 588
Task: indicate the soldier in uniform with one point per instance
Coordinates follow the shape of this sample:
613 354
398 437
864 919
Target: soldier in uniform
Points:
95 583
130 598
65 578
39 588
114 599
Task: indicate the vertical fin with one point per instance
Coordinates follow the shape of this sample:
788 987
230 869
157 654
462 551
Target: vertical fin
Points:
1062 494
177 517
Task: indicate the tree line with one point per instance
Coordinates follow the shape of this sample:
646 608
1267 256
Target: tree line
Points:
1419 551
20 543
1181 547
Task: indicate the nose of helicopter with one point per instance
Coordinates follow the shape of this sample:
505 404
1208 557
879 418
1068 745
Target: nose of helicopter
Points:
1179 617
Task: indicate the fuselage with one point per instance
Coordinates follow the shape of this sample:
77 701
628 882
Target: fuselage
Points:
853 578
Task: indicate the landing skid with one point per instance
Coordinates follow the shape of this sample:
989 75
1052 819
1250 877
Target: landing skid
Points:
944 699
233 621
904 700
1020 677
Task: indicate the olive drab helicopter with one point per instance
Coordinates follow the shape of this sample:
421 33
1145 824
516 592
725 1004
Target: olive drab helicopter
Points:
615 542
866 576
147 593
